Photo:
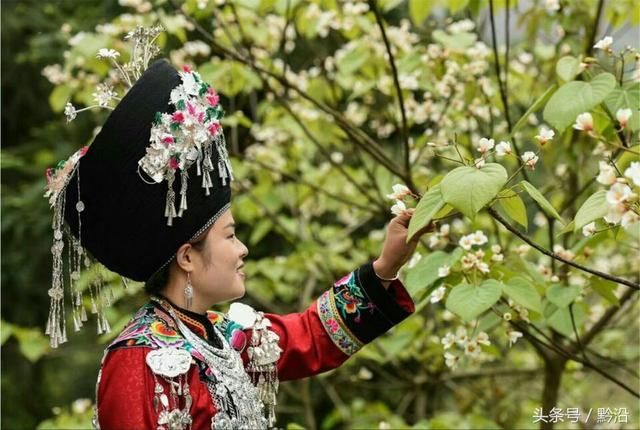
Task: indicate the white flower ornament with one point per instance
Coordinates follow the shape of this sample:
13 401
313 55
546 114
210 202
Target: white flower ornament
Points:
188 135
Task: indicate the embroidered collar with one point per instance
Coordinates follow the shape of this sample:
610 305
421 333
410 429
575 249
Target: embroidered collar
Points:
200 324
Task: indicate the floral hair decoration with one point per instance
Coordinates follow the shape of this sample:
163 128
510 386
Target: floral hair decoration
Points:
184 137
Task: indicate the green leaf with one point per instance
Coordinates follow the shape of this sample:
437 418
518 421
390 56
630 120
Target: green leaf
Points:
429 205
628 157
419 10
594 207
534 108
469 189
456 42
32 343
566 229
605 289
523 293
576 97
561 295
425 272
514 207
469 301
59 97
5 332
568 68
560 319
629 97
544 203
260 230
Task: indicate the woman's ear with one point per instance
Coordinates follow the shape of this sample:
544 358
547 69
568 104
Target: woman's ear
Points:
184 257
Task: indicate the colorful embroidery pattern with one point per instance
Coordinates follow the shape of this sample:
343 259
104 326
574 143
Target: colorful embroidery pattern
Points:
350 299
340 306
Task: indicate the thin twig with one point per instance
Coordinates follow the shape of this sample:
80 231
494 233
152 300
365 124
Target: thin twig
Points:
551 254
396 82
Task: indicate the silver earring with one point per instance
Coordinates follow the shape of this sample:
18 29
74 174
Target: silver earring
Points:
188 292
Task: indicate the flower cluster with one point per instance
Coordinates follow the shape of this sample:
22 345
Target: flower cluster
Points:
187 136
621 199
399 193
470 347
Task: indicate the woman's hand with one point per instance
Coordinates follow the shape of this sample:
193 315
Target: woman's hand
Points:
396 251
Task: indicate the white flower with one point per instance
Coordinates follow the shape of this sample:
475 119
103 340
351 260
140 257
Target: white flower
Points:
444 271
466 242
589 229
437 294
629 218
615 214
546 134
80 406
485 145
482 266
103 95
497 257
607 175
70 112
479 238
584 122
551 5
107 53
619 193
444 229
530 159
506 316
503 148
414 260
448 340
479 162
514 335
623 115
451 360
472 349
483 338
604 43
398 208
461 336
633 172
399 192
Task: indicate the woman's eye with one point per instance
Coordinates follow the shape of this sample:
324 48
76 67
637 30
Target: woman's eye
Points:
231 236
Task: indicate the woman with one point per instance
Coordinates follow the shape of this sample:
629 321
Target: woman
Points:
177 365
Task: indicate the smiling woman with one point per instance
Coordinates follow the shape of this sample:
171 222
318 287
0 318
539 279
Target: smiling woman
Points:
177 365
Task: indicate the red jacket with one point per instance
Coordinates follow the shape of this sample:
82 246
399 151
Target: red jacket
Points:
352 313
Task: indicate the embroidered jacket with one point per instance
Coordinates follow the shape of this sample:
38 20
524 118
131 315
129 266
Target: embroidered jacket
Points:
352 313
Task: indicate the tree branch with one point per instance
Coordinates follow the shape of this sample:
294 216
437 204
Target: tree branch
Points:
396 82
551 254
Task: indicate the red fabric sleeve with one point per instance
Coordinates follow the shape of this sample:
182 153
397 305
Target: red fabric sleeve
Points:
126 390
306 348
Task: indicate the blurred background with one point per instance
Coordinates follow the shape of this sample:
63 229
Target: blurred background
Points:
317 142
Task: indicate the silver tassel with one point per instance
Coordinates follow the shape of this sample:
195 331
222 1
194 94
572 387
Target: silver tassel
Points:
76 321
83 314
105 324
99 320
184 177
170 210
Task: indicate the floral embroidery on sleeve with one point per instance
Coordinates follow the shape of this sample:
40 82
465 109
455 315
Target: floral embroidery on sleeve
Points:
342 304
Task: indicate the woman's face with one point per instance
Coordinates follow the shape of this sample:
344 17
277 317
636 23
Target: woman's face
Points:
218 274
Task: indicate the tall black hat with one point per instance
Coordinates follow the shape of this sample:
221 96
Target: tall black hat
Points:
123 224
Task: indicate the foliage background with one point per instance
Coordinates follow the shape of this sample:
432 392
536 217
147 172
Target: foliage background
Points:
311 196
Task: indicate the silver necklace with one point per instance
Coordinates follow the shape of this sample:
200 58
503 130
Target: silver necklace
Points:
236 399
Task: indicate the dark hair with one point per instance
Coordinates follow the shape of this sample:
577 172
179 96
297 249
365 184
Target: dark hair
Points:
159 280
